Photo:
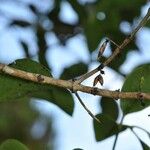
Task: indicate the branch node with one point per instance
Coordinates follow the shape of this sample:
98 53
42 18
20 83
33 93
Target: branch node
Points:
94 91
40 78
118 90
141 98
107 40
101 66
129 36
73 83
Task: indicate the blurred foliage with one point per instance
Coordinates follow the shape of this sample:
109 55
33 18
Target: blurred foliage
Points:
74 71
12 144
96 20
16 121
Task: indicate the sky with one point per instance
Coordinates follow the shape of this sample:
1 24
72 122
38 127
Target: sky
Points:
77 131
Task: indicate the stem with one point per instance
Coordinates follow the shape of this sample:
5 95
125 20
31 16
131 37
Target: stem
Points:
142 130
128 39
87 75
135 134
115 142
84 106
140 140
117 135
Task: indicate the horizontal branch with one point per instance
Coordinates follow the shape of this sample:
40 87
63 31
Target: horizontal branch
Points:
41 79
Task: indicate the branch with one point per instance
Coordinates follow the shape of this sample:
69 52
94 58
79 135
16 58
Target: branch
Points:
119 48
84 106
87 75
41 79
128 39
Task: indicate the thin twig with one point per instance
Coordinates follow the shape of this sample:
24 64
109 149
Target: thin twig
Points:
87 75
141 129
128 39
41 79
139 138
135 134
117 135
118 49
115 142
84 106
113 42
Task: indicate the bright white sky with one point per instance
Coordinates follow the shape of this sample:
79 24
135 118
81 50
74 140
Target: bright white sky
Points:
77 131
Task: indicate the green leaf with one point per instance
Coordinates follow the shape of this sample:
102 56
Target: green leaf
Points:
12 144
30 66
64 99
109 108
137 81
12 88
113 13
107 128
93 38
74 71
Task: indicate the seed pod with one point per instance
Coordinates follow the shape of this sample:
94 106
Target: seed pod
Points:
102 49
101 80
97 79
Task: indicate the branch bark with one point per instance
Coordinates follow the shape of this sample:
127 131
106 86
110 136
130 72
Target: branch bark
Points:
41 79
